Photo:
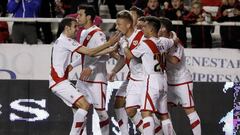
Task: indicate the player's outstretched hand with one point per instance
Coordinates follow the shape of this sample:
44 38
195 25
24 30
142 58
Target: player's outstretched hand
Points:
115 38
86 72
111 76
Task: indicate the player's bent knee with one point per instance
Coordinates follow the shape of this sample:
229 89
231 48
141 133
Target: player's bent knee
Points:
146 113
82 103
131 111
119 102
164 116
189 110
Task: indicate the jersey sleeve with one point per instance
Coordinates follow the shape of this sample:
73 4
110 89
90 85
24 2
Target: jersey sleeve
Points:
99 38
176 51
167 43
139 50
72 45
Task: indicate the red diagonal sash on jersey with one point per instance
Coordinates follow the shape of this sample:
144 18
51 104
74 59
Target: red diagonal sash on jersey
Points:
135 42
155 50
54 74
87 39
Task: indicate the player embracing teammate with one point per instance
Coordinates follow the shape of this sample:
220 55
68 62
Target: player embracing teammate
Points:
157 73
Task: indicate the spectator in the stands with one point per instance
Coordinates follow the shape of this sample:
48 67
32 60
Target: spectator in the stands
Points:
153 9
164 4
47 10
201 34
66 7
113 10
229 11
176 13
24 31
4 33
112 6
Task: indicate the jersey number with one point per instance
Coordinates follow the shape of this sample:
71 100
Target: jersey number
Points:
161 62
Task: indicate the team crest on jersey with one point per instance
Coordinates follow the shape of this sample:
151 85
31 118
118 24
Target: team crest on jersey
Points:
135 42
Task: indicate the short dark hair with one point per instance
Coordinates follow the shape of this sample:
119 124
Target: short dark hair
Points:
89 10
137 10
166 23
142 18
154 22
65 22
125 14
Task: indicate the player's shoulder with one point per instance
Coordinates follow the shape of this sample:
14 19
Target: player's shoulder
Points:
99 33
163 39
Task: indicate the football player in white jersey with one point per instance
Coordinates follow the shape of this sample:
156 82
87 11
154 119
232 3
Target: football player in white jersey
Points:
130 90
180 83
59 84
93 78
155 84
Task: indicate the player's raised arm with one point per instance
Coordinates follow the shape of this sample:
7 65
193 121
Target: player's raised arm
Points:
92 51
107 51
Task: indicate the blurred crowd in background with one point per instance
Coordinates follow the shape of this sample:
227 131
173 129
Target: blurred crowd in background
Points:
187 11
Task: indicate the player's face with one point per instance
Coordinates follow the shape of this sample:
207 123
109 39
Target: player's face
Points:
162 32
176 4
147 29
152 4
72 31
196 9
82 18
122 25
135 17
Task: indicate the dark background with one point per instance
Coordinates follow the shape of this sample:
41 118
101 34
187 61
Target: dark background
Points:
211 103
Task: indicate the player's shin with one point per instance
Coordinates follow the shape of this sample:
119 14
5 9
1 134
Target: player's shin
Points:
158 125
195 123
122 119
137 121
78 121
148 126
167 127
104 122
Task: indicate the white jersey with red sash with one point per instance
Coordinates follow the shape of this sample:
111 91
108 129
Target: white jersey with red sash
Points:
135 65
91 38
62 51
155 84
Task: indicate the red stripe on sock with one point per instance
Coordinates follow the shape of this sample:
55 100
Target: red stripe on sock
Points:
158 129
195 123
120 123
78 124
145 125
104 123
139 124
